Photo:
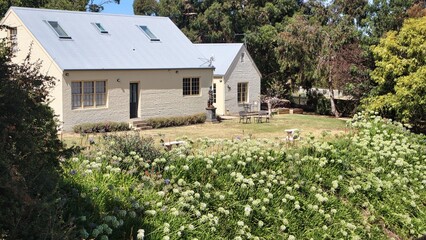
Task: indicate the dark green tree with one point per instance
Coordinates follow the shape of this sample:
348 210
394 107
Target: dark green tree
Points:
29 153
74 5
145 7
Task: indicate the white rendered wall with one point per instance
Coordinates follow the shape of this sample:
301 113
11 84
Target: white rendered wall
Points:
160 94
242 71
26 41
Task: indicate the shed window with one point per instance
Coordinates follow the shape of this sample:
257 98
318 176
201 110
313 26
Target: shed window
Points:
58 29
242 92
100 28
191 86
88 94
13 40
149 34
214 92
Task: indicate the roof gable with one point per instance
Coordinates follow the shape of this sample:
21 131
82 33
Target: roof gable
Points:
124 46
223 55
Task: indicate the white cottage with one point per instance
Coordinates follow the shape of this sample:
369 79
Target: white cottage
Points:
236 82
113 67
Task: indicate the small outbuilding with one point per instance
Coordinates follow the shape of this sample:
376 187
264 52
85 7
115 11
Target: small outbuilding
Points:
236 80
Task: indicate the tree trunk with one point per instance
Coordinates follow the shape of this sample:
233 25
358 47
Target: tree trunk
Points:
269 107
334 109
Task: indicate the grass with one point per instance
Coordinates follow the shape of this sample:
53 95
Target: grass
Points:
228 129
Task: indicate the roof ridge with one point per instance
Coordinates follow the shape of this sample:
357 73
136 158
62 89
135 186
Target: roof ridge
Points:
88 13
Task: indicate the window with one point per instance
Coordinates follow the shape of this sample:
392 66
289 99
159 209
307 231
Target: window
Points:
12 36
100 28
214 92
242 92
191 86
148 33
58 29
88 94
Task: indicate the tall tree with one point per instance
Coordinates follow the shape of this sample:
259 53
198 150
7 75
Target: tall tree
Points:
384 16
400 74
145 7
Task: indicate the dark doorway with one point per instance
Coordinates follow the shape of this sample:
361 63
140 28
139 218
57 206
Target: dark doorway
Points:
134 100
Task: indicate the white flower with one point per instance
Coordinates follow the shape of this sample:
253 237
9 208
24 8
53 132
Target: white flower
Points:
260 223
291 237
247 210
283 228
141 234
240 223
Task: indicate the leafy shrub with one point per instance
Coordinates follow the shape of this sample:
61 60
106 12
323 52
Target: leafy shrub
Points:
122 145
323 106
29 153
176 121
101 127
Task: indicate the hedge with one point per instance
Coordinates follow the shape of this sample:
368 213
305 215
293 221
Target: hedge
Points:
176 121
101 127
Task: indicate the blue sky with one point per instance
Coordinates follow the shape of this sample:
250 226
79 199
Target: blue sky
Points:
125 7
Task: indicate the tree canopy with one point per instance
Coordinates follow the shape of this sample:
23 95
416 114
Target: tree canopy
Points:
75 5
400 74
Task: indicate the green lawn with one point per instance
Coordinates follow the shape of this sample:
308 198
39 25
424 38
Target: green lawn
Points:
307 124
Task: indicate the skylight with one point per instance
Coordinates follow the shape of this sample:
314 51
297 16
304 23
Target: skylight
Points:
148 33
100 28
58 29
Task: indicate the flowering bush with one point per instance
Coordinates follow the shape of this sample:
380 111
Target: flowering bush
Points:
367 185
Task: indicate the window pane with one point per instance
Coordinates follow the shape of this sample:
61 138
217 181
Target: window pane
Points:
214 92
242 91
186 86
148 32
58 29
101 93
100 87
101 28
195 86
76 94
88 90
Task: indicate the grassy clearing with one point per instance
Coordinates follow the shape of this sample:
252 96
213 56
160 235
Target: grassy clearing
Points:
228 129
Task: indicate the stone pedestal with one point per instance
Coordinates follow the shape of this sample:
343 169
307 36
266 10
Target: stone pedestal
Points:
211 115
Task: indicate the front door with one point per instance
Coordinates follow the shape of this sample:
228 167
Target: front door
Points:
134 100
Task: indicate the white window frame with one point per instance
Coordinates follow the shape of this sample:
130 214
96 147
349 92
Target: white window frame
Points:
58 29
100 27
148 33
194 82
13 38
87 97
241 95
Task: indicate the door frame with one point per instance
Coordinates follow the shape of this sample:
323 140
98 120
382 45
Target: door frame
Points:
134 109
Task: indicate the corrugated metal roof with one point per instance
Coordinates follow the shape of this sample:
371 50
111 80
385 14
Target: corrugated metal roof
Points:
125 46
223 55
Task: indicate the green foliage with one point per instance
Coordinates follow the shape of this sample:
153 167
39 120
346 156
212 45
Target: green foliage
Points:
101 127
323 106
400 74
226 189
30 152
73 5
130 144
176 121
